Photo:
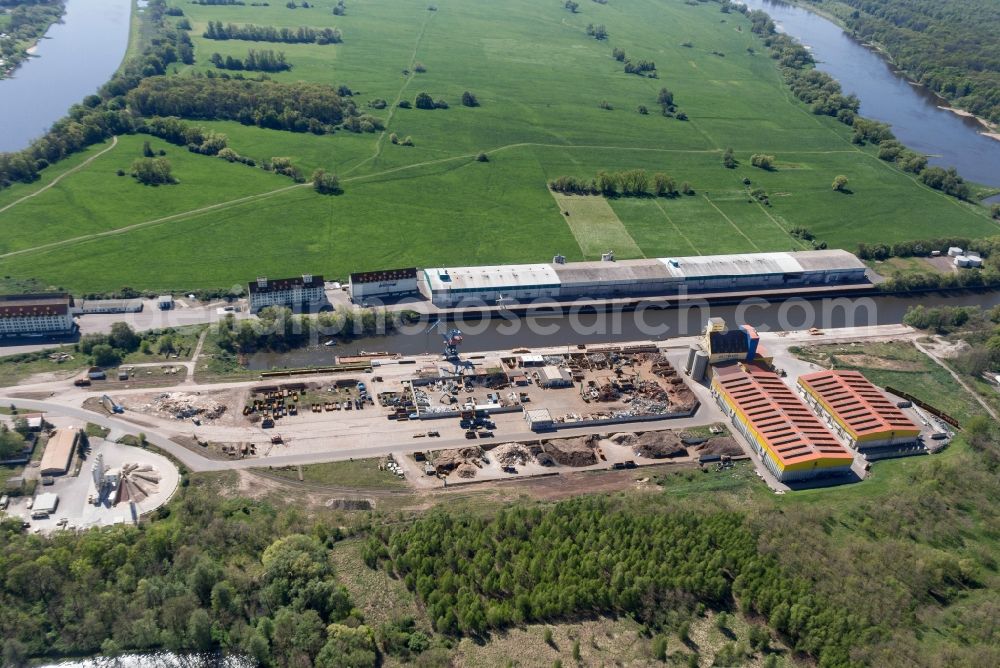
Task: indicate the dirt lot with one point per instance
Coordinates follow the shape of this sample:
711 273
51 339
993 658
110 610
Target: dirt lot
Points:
219 408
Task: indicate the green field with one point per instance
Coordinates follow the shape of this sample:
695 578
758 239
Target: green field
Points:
540 80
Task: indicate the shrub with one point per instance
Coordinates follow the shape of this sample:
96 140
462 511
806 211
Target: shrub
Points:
152 171
326 183
763 161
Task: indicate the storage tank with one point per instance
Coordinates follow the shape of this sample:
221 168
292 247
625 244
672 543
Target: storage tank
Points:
961 261
974 261
700 366
689 365
955 251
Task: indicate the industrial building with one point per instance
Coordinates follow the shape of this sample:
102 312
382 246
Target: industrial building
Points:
554 376
36 314
292 292
726 345
449 287
857 410
44 505
791 441
59 452
383 284
90 306
539 419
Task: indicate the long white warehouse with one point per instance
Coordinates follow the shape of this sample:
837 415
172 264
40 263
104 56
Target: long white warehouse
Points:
457 286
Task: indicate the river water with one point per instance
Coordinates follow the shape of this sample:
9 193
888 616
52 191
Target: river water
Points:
73 60
616 327
913 111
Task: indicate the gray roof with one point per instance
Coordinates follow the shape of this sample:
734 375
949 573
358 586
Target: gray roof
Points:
624 271
748 264
677 269
827 260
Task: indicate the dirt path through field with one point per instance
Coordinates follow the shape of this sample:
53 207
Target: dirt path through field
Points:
114 142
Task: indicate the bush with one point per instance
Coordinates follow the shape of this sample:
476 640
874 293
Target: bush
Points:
326 183
469 100
105 356
423 101
762 161
404 104
153 171
482 157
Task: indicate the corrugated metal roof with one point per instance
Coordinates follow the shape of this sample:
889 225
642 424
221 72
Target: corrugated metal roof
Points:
625 271
790 431
855 402
831 259
498 277
510 277
750 264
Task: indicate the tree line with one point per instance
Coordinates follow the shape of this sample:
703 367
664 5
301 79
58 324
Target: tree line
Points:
815 88
104 114
297 107
255 61
986 248
628 183
256 33
277 329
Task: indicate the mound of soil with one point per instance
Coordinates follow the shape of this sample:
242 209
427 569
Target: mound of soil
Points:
659 445
573 451
720 445
624 438
545 459
467 471
447 460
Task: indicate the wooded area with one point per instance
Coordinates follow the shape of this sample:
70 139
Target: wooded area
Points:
298 107
951 47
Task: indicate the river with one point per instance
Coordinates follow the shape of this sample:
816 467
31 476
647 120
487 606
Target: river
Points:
886 95
72 61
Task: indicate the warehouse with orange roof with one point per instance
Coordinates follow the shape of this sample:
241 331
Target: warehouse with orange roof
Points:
859 412
791 441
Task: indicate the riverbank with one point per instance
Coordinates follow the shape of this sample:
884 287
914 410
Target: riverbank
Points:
57 77
992 129
32 24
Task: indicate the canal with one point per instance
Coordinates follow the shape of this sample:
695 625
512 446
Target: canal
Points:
619 326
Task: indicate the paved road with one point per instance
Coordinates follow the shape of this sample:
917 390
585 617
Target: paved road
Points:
197 462
66 401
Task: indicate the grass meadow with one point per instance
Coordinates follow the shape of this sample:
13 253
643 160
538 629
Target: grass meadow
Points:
540 81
